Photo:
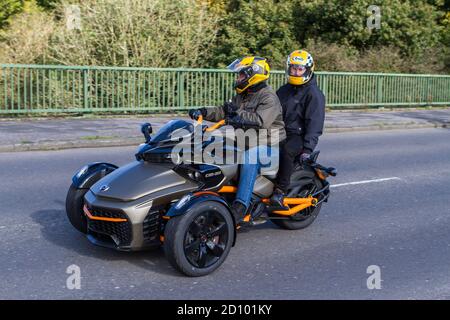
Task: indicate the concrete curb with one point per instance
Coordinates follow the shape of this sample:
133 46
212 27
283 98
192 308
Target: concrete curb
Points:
72 144
135 141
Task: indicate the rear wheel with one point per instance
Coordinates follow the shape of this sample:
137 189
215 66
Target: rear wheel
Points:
198 242
305 217
74 208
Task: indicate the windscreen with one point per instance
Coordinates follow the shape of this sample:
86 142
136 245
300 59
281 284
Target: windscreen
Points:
172 130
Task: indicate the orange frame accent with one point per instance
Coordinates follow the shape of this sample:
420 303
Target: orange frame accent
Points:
227 189
301 203
91 217
293 210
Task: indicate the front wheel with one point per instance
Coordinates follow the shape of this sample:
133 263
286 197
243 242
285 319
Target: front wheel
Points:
307 216
199 241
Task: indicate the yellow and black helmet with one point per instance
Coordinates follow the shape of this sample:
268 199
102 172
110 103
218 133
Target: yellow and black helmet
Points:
299 59
251 70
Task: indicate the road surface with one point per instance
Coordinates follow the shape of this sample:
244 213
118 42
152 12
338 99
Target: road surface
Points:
389 209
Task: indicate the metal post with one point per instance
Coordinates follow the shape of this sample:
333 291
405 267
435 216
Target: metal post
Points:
380 90
180 89
85 90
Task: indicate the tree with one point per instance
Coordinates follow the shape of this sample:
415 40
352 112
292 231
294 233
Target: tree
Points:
410 25
48 4
8 8
251 27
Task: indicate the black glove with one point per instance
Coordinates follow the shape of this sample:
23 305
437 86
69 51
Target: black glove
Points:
196 113
230 109
238 122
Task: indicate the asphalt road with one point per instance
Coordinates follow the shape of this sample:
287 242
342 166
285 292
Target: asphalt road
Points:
401 225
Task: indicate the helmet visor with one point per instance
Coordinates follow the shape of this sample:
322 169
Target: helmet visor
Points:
236 65
296 70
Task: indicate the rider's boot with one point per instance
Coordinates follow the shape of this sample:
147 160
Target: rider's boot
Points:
239 211
277 199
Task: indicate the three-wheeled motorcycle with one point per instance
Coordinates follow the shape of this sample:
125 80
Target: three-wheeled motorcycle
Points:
184 206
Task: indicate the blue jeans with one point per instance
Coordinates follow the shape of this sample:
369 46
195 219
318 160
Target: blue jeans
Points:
253 160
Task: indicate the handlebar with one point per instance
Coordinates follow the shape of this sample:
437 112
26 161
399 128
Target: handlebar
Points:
230 122
214 126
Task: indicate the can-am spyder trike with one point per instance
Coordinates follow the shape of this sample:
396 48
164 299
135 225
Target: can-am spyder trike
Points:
185 207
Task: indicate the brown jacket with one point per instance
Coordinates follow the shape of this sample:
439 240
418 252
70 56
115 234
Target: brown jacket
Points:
260 106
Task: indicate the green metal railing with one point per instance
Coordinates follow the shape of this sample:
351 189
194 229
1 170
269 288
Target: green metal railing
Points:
47 88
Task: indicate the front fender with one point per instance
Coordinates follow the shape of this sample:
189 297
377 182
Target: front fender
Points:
91 173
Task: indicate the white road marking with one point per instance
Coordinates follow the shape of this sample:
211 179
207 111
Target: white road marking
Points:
363 182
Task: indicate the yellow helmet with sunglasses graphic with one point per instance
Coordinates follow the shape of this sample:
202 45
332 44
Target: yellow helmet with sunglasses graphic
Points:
251 70
299 67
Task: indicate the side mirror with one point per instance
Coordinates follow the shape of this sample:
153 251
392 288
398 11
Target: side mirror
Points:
146 129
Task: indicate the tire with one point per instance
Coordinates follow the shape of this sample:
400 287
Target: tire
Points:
189 244
74 208
307 216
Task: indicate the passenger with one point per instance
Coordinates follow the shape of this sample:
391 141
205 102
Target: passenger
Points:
303 114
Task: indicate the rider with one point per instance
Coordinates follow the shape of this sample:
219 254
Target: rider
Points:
257 106
303 114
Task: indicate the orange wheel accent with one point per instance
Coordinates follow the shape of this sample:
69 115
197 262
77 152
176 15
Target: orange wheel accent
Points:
205 192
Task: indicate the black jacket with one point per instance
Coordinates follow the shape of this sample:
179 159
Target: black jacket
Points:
303 111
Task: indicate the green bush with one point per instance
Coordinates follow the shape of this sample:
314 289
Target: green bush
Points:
409 25
263 27
26 39
9 8
157 33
